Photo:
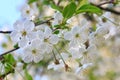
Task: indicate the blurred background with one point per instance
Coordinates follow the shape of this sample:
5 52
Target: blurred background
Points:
9 11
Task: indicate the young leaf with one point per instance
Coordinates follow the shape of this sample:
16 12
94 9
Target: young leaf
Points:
9 59
82 2
56 7
31 1
16 45
8 62
56 32
69 10
89 8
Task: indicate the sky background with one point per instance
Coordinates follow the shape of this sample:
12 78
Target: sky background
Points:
9 11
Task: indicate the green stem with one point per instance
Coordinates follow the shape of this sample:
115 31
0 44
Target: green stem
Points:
110 21
60 55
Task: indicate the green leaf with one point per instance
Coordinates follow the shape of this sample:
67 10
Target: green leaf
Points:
82 2
56 7
28 76
69 10
46 2
8 62
9 59
89 8
31 1
56 32
16 45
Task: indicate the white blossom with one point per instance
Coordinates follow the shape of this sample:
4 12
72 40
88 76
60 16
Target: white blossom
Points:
29 12
48 39
33 52
76 36
23 32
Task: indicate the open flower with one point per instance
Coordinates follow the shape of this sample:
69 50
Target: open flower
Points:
48 39
23 32
29 12
33 52
76 36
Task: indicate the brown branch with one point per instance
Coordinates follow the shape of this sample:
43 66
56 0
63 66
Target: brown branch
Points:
36 24
6 32
47 21
1 56
107 9
108 2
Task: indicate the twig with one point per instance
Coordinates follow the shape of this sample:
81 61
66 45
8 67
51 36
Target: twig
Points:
108 2
39 23
1 56
6 32
107 9
36 24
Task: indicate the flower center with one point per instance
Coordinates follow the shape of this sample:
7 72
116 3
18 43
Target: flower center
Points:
24 33
46 40
77 35
27 11
34 51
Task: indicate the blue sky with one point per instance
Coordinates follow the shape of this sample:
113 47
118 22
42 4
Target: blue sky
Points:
9 11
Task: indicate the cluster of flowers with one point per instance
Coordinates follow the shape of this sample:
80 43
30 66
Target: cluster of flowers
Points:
82 43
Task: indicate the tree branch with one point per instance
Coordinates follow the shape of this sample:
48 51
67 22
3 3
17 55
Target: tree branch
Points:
1 56
107 9
36 24
108 2
6 32
39 23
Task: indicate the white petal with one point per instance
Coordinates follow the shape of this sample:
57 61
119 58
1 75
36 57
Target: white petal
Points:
36 43
40 35
38 58
48 48
15 36
86 65
75 30
18 25
32 35
48 32
27 58
50 66
68 35
75 53
54 39
78 70
58 16
73 43
23 42
29 25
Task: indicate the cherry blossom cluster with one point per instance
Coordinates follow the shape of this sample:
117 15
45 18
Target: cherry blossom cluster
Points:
74 48
39 41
